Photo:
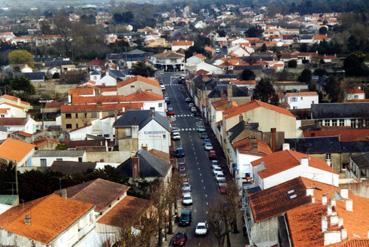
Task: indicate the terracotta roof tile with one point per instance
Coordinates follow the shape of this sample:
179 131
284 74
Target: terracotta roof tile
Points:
355 91
15 150
283 160
50 216
12 121
299 94
223 104
182 43
15 99
345 134
126 213
252 146
82 91
243 82
253 105
143 79
22 133
98 108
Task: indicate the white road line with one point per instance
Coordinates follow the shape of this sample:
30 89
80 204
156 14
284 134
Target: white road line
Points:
204 188
206 195
207 212
200 175
207 203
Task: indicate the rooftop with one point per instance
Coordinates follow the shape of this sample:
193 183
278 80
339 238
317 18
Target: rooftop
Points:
15 150
147 80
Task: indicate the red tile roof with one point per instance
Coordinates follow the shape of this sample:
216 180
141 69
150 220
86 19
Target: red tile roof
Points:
355 91
182 43
223 104
248 146
50 216
99 108
15 150
243 82
81 91
284 160
345 134
12 121
147 80
253 105
298 94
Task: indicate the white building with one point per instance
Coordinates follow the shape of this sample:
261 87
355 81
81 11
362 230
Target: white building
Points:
181 45
301 100
355 94
45 158
98 127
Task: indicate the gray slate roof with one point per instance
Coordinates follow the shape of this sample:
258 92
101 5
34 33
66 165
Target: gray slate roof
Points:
141 118
59 153
362 161
150 166
340 110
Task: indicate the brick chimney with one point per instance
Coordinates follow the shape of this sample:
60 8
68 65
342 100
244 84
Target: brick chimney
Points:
274 139
135 166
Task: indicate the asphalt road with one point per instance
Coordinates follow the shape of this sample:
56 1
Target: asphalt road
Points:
204 186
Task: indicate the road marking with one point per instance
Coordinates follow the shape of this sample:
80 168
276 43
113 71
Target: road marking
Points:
200 175
204 188
206 195
207 204
202 181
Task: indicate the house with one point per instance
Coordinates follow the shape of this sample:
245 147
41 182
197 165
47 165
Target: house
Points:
77 116
71 168
15 101
355 94
10 125
337 219
111 78
146 165
301 100
359 166
49 221
168 61
284 86
181 45
34 76
268 116
138 83
142 128
45 158
98 128
209 68
127 59
7 202
285 165
353 114
16 152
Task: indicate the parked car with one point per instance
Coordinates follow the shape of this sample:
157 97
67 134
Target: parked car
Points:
188 100
170 111
187 199
220 178
215 166
201 229
217 170
179 239
179 153
176 136
193 109
205 140
162 87
182 167
167 100
208 146
190 105
185 218
204 135
222 188
212 155
186 187
200 129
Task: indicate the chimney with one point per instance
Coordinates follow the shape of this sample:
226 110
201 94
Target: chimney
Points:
27 219
349 205
310 192
286 146
63 193
304 162
135 163
324 199
152 112
343 234
274 139
344 193
324 224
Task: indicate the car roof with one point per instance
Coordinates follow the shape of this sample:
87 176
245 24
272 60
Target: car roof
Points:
187 194
201 224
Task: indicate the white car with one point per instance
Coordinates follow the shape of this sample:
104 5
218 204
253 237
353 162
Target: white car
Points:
176 136
175 129
193 109
201 229
217 170
208 146
214 167
220 178
186 186
162 87
187 199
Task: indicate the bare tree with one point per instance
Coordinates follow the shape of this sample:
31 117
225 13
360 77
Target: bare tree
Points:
174 193
233 199
159 199
219 219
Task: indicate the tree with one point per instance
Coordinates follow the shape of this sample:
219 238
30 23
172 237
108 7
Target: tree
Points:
305 76
22 84
222 33
354 65
333 89
141 68
320 72
247 75
233 200
21 57
263 48
174 194
265 92
219 219
254 31
292 63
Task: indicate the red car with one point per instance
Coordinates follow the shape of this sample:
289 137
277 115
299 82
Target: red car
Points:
222 189
170 111
179 239
212 155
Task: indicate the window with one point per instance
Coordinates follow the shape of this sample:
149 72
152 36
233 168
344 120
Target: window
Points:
356 96
132 86
360 123
85 114
2 115
68 126
68 115
76 126
59 159
353 123
164 136
43 162
334 122
160 105
93 114
328 156
76 115
293 99
326 122
301 98
342 122
79 159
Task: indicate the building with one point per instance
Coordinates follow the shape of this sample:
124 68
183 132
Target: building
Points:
285 165
45 158
143 128
168 61
301 100
49 221
181 45
355 94
16 152
138 83
359 166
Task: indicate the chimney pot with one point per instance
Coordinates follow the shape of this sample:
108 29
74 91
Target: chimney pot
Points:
349 205
344 193
286 146
304 162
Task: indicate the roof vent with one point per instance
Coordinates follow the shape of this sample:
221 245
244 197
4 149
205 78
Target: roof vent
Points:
27 219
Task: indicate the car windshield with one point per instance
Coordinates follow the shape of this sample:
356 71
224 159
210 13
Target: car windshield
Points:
187 197
201 227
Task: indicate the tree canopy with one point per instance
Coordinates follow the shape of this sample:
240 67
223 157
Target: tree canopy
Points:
247 75
305 76
254 31
21 57
143 69
265 92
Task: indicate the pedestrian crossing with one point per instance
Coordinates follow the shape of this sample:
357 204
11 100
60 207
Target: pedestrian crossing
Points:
182 115
187 129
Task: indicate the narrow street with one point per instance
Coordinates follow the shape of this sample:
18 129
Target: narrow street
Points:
204 186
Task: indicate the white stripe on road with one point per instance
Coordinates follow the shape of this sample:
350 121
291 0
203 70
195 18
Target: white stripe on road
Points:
202 180
206 195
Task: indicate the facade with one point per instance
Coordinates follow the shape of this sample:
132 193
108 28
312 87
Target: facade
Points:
301 100
45 158
17 152
138 83
169 61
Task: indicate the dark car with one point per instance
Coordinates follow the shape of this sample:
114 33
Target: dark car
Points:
203 135
179 153
212 155
179 239
170 111
186 218
206 140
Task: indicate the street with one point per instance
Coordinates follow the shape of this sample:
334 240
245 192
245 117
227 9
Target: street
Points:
204 186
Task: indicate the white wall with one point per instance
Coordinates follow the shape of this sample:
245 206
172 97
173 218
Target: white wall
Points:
13 111
97 127
302 102
154 136
36 161
159 105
